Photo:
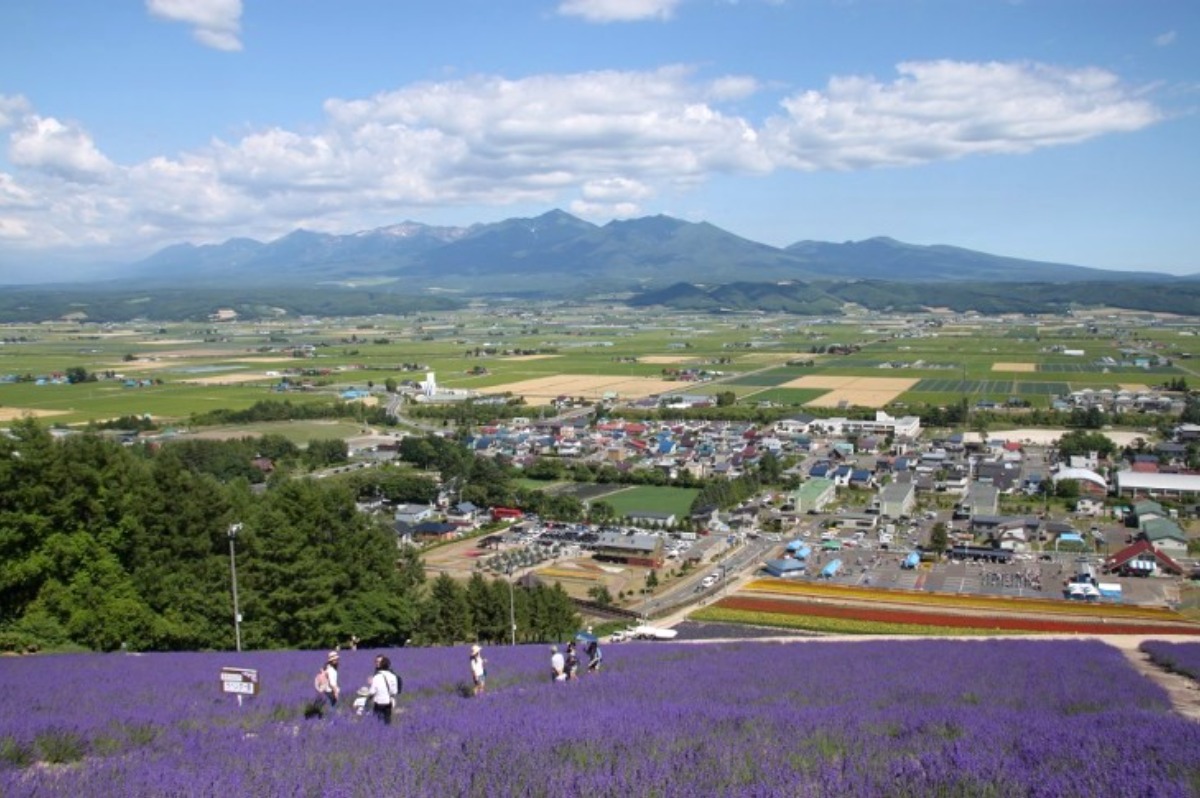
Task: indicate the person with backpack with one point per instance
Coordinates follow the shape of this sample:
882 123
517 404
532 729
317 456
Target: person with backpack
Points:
385 688
326 681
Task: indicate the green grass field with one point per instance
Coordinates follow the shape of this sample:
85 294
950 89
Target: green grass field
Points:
647 498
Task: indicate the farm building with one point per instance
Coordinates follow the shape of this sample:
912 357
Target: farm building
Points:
413 513
784 568
1089 481
1141 559
882 424
1135 485
640 550
1165 534
814 495
862 521
981 500
897 499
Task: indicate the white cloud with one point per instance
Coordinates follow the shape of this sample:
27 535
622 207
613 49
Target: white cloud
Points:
13 108
604 143
13 195
618 10
940 110
1165 39
47 145
215 23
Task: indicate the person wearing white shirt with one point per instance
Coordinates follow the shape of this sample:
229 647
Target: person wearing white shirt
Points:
385 686
558 665
478 669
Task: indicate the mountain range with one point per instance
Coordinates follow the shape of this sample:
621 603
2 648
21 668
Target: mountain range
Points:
557 254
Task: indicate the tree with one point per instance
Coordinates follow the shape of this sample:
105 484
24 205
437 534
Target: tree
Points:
78 374
446 613
1067 488
600 595
322 452
601 512
939 538
1082 442
769 468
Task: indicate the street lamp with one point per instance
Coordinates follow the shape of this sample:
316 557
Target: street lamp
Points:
512 608
237 616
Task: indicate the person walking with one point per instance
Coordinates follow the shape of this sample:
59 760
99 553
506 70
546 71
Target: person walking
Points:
558 667
572 664
327 679
595 656
385 687
478 669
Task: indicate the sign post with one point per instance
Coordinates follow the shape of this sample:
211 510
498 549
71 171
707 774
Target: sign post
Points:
239 682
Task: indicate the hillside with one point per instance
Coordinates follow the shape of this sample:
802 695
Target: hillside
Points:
883 717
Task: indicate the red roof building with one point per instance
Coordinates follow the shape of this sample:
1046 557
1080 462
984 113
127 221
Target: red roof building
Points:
1141 559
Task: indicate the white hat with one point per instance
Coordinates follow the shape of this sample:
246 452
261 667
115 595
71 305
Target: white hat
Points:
475 649
333 657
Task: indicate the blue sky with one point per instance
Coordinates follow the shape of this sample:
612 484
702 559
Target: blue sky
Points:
1061 130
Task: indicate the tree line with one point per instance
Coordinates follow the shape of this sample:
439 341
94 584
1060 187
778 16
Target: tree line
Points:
109 546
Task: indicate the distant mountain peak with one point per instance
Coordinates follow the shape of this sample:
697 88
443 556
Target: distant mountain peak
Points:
556 252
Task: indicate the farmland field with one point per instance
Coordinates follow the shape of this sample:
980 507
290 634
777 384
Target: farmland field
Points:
806 718
180 368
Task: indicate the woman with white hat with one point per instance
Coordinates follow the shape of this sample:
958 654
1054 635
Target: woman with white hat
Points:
327 679
478 669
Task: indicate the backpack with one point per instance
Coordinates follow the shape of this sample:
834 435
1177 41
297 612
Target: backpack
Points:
321 681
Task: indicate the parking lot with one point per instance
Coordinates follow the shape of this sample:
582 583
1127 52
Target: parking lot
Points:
1028 575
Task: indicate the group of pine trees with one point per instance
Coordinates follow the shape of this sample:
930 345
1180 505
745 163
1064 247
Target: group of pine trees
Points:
109 546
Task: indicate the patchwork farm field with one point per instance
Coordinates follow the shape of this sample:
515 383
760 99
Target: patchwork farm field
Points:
807 718
585 351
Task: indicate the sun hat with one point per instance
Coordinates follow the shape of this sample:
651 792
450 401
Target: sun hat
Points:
333 657
475 649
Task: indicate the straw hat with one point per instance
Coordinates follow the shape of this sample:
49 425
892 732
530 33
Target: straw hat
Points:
475 649
333 657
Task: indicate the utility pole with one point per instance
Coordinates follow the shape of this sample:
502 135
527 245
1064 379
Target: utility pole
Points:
512 607
237 616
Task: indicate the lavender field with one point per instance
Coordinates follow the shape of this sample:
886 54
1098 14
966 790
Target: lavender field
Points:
919 718
1181 658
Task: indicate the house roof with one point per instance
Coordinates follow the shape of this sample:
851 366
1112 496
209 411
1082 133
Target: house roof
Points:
1142 546
1080 474
1132 480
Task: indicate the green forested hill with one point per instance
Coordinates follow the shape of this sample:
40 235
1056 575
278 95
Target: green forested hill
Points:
107 546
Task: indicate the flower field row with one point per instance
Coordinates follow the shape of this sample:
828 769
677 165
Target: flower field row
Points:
1004 603
831 625
1182 658
927 617
808 718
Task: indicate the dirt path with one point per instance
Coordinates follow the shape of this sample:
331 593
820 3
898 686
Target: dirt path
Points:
1184 692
